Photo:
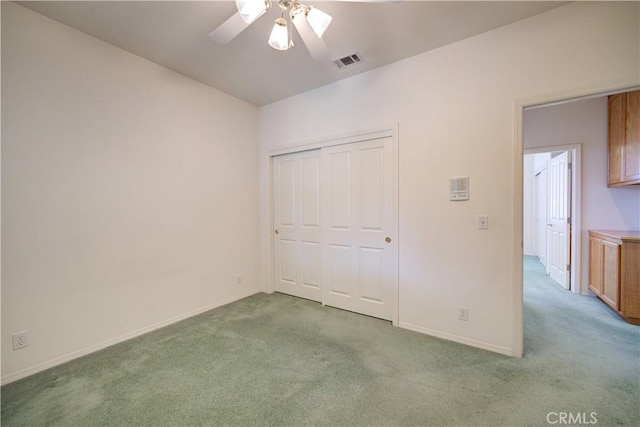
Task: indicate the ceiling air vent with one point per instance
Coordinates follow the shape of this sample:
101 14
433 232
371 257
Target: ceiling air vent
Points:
348 60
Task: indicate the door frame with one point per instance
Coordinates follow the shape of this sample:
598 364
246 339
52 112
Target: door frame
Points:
603 88
385 131
575 155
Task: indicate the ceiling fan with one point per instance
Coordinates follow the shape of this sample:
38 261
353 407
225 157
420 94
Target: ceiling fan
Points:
310 22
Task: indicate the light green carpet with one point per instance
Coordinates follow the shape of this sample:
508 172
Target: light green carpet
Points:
279 360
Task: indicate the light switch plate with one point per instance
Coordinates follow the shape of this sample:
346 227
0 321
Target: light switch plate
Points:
483 222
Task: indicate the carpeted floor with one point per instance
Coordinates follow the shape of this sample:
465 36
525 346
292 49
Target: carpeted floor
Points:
279 360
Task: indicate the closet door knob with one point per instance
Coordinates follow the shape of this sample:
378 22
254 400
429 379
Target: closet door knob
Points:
388 240
277 232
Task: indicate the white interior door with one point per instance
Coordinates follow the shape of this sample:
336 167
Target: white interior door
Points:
359 242
297 232
559 210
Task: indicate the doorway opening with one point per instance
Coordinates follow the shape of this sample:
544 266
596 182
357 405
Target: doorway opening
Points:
547 124
551 212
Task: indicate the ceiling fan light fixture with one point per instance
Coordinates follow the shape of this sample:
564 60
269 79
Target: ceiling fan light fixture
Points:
279 38
310 24
250 10
318 20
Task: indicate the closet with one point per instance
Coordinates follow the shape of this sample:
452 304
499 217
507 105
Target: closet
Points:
335 226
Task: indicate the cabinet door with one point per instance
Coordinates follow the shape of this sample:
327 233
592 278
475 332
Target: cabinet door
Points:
617 107
611 274
595 266
630 280
631 154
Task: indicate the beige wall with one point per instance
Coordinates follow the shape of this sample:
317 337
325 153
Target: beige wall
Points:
585 123
457 116
129 194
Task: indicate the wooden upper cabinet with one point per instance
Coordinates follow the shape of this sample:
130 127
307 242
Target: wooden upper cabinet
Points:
617 107
624 139
632 146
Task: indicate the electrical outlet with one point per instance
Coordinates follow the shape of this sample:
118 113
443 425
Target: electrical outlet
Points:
20 340
239 279
463 313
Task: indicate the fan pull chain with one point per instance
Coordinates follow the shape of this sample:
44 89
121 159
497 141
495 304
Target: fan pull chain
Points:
290 30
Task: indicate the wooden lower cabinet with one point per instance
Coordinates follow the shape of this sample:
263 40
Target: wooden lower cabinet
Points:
614 271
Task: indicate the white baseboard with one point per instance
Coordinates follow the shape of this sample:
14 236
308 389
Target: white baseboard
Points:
462 340
6 379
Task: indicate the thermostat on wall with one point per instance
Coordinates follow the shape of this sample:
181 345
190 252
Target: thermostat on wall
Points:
459 189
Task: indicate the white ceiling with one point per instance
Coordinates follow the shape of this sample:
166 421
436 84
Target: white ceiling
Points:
175 34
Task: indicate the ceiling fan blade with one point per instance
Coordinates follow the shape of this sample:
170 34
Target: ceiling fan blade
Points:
229 29
315 44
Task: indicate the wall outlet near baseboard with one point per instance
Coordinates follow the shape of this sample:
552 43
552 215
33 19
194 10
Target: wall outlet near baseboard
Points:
463 313
20 340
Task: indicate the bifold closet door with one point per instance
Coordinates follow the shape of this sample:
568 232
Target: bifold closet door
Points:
359 245
297 233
